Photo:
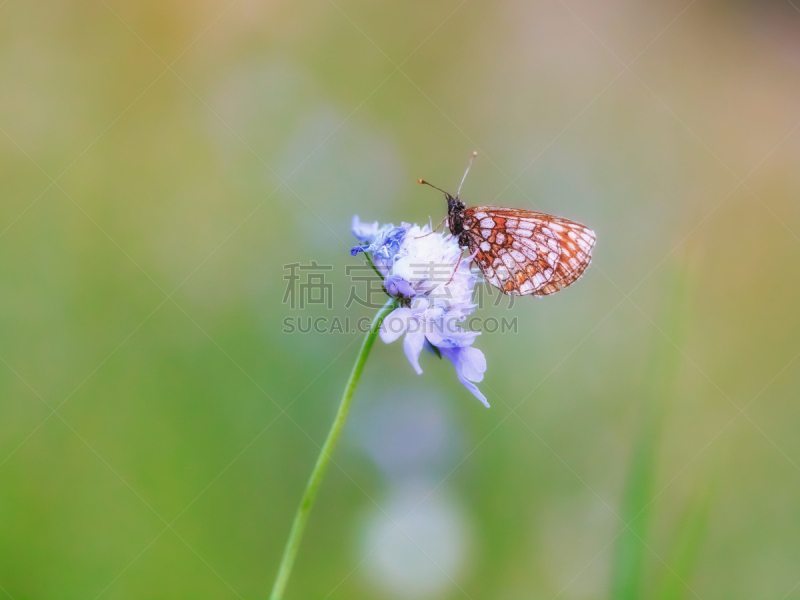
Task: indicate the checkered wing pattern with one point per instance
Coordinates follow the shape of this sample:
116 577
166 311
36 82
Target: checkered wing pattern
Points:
524 252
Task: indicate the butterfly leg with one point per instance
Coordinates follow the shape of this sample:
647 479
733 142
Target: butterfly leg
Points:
458 264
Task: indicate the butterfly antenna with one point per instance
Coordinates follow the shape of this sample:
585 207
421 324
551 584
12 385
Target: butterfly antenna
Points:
423 182
471 158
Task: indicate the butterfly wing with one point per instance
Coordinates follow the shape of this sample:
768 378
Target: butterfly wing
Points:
525 252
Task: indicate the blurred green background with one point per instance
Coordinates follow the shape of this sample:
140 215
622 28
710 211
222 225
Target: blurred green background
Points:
162 161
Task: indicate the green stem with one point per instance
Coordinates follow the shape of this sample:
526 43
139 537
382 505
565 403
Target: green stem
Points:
312 487
372 264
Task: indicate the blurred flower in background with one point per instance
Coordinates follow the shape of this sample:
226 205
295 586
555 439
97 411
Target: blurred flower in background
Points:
415 546
418 540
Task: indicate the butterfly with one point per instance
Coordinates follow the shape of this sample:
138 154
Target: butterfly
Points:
520 252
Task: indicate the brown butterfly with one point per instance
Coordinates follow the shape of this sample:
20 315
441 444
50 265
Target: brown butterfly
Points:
520 251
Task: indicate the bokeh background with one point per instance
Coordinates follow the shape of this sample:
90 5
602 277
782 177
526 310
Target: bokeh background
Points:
161 161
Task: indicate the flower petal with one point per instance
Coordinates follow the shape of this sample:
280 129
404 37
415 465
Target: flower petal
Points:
412 344
397 286
364 231
475 391
446 334
395 324
473 363
468 364
388 241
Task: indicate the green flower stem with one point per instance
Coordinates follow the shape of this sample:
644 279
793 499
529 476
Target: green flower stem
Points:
372 264
312 487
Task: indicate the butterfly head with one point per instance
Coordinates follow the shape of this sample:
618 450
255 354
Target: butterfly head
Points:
455 214
455 210
454 204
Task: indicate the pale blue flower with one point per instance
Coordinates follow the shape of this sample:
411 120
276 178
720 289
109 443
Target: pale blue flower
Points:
422 270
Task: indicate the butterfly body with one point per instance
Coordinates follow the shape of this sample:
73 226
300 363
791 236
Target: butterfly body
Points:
521 252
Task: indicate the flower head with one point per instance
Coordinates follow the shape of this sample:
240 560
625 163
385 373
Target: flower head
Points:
423 270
